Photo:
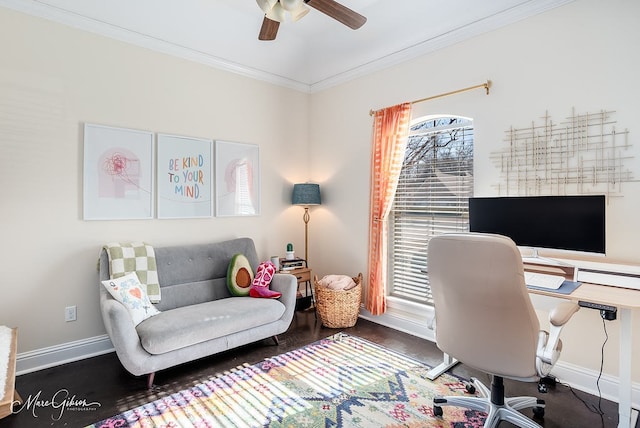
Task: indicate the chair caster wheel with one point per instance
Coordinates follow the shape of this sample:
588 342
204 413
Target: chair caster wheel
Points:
538 412
470 388
437 411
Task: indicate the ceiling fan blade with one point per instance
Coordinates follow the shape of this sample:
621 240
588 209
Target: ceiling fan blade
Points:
338 12
269 29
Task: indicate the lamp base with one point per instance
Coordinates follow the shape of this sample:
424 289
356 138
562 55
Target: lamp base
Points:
306 217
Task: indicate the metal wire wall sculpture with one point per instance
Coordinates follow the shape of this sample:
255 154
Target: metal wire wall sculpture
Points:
584 154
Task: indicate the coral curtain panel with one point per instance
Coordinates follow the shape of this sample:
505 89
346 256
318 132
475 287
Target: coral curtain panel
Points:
390 134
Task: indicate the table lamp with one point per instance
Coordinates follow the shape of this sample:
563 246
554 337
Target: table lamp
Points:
306 194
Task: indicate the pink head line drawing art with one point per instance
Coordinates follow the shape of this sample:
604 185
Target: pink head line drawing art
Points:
119 175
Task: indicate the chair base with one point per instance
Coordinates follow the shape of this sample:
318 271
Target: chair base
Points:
494 403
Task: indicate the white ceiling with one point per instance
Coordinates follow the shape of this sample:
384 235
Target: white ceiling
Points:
314 53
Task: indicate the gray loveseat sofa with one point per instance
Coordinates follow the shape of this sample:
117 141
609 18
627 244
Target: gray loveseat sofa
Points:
199 317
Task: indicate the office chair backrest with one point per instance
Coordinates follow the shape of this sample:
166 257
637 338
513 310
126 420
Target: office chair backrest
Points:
484 316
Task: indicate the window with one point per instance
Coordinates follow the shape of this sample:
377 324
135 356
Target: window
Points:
432 198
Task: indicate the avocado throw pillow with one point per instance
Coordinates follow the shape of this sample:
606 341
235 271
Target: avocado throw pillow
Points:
239 276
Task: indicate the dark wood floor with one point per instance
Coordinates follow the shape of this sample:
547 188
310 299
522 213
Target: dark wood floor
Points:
102 380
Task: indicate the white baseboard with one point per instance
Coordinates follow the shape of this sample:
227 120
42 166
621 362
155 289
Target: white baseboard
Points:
585 380
405 325
31 361
576 376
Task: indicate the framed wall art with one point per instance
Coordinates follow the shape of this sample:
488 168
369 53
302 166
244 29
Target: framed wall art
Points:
117 173
237 179
185 186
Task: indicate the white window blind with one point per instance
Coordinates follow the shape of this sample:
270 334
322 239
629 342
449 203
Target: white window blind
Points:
432 198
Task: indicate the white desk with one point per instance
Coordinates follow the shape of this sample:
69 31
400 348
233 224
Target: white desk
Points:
626 300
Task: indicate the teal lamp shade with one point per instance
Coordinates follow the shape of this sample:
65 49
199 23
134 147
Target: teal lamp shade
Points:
306 194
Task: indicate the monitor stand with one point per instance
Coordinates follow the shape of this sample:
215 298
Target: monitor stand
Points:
536 258
535 263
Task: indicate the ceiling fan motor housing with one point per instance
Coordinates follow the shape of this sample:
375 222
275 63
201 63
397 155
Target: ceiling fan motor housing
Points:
276 12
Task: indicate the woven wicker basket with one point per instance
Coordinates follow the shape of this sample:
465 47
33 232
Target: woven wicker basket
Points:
338 308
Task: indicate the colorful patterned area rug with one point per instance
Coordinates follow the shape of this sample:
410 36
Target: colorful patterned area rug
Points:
341 381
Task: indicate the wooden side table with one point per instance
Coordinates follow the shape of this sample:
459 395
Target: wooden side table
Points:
303 276
10 395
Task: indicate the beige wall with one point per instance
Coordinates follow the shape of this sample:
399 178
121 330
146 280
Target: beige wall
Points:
581 55
53 79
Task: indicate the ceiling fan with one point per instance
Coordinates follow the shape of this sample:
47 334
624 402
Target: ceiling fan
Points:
276 11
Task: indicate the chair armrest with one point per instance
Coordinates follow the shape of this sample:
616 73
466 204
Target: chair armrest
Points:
549 344
562 313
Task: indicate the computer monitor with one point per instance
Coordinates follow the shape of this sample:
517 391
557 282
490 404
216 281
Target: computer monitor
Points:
574 223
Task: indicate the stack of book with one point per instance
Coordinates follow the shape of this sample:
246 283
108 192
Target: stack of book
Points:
292 264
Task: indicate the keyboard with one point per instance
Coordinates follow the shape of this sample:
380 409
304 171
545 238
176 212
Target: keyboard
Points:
543 280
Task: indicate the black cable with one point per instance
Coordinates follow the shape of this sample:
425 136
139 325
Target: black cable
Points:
606 338
592 408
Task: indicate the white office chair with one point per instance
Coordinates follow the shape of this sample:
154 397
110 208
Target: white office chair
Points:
485 319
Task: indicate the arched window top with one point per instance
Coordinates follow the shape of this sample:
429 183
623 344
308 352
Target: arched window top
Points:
439 123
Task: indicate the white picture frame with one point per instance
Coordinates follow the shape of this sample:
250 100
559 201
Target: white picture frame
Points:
118 168
184 177
237 170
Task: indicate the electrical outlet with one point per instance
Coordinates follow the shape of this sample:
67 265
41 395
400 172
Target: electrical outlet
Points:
70 313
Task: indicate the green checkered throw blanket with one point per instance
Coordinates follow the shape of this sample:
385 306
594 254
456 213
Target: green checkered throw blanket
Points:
137 257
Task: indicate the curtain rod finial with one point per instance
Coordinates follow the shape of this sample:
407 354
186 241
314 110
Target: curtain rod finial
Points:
487 86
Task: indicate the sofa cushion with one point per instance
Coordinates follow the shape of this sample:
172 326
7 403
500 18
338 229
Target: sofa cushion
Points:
200 262
186 326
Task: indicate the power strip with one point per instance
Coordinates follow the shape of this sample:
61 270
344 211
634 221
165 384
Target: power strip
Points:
598 306
607 312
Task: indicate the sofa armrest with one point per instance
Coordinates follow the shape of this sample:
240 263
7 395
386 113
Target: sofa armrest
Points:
286 284
119 324
123 334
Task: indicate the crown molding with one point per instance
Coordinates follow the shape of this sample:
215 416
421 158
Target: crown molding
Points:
517 13
70 19
522 11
